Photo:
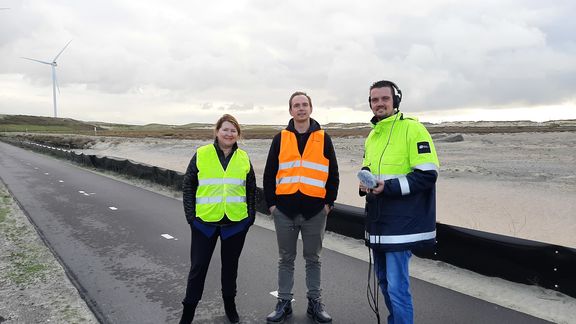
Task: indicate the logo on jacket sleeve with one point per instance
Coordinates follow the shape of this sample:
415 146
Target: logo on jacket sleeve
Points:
423 147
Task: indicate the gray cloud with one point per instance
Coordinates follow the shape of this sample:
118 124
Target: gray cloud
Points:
235 56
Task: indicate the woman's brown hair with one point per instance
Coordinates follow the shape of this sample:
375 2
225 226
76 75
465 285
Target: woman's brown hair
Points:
231 120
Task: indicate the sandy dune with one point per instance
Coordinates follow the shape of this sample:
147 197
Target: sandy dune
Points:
520 184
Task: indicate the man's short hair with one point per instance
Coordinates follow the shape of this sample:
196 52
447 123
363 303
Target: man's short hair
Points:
299 93
383 84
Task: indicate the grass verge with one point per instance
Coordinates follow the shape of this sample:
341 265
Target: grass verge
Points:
25 267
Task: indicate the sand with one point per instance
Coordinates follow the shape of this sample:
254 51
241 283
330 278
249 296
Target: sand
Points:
520 185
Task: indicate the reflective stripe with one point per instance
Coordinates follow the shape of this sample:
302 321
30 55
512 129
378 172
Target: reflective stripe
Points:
288 165
219 181
313 182
306 164
426 167
214 200
208 200
288 180
235 199
404 185
306 180
398 239
315 166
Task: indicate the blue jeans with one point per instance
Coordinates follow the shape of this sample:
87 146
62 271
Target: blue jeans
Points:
391 268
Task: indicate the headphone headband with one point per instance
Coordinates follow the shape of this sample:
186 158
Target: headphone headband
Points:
396 92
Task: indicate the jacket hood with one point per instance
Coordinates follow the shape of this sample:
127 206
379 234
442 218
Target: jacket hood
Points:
314 126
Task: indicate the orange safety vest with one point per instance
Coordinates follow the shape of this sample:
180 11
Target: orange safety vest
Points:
307 173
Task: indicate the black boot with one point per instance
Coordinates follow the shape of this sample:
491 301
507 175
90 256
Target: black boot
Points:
230 309
316 311
188 313
283 310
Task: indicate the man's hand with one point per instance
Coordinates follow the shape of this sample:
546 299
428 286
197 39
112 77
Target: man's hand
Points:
379 188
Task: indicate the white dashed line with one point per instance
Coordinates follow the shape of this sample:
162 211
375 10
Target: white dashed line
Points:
46 173
168 236
61 181
113 208
81 191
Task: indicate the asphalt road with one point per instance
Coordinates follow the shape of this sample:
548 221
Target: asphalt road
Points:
126 249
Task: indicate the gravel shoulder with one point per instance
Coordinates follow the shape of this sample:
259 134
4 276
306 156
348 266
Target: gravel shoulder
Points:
34 287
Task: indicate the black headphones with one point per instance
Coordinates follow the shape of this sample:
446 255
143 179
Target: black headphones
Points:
396 95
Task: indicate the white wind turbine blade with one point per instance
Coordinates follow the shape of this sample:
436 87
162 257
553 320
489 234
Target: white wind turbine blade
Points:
31 59
54 60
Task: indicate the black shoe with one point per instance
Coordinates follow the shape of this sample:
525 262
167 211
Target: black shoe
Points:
283 311
188 313
316 311
230 309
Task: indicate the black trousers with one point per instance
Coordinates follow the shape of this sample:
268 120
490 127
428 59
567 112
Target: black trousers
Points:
200 254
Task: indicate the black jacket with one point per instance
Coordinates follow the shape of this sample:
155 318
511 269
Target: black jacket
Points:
298 203
190 185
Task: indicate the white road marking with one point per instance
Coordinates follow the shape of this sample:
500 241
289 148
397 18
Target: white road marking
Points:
113 208
46 173
167 236
275 294
81 191
60 181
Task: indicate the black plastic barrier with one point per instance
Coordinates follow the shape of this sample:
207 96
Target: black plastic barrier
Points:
514 259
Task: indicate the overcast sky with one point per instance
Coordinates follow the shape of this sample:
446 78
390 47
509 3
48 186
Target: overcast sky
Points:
176 62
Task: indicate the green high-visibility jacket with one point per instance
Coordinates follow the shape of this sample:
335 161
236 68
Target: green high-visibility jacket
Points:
221 192
400 151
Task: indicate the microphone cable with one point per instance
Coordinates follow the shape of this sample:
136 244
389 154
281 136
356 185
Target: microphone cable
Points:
387 143
373 294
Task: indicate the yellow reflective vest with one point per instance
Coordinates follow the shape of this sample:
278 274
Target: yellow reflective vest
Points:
221 192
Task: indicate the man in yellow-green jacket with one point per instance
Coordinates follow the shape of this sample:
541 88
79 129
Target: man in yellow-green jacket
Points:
401 209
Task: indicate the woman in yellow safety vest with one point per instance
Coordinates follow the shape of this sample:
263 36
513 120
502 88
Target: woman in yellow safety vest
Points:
219 192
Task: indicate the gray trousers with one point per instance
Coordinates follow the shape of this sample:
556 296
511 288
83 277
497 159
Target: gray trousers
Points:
312 231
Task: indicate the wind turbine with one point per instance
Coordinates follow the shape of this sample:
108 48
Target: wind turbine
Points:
53 64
